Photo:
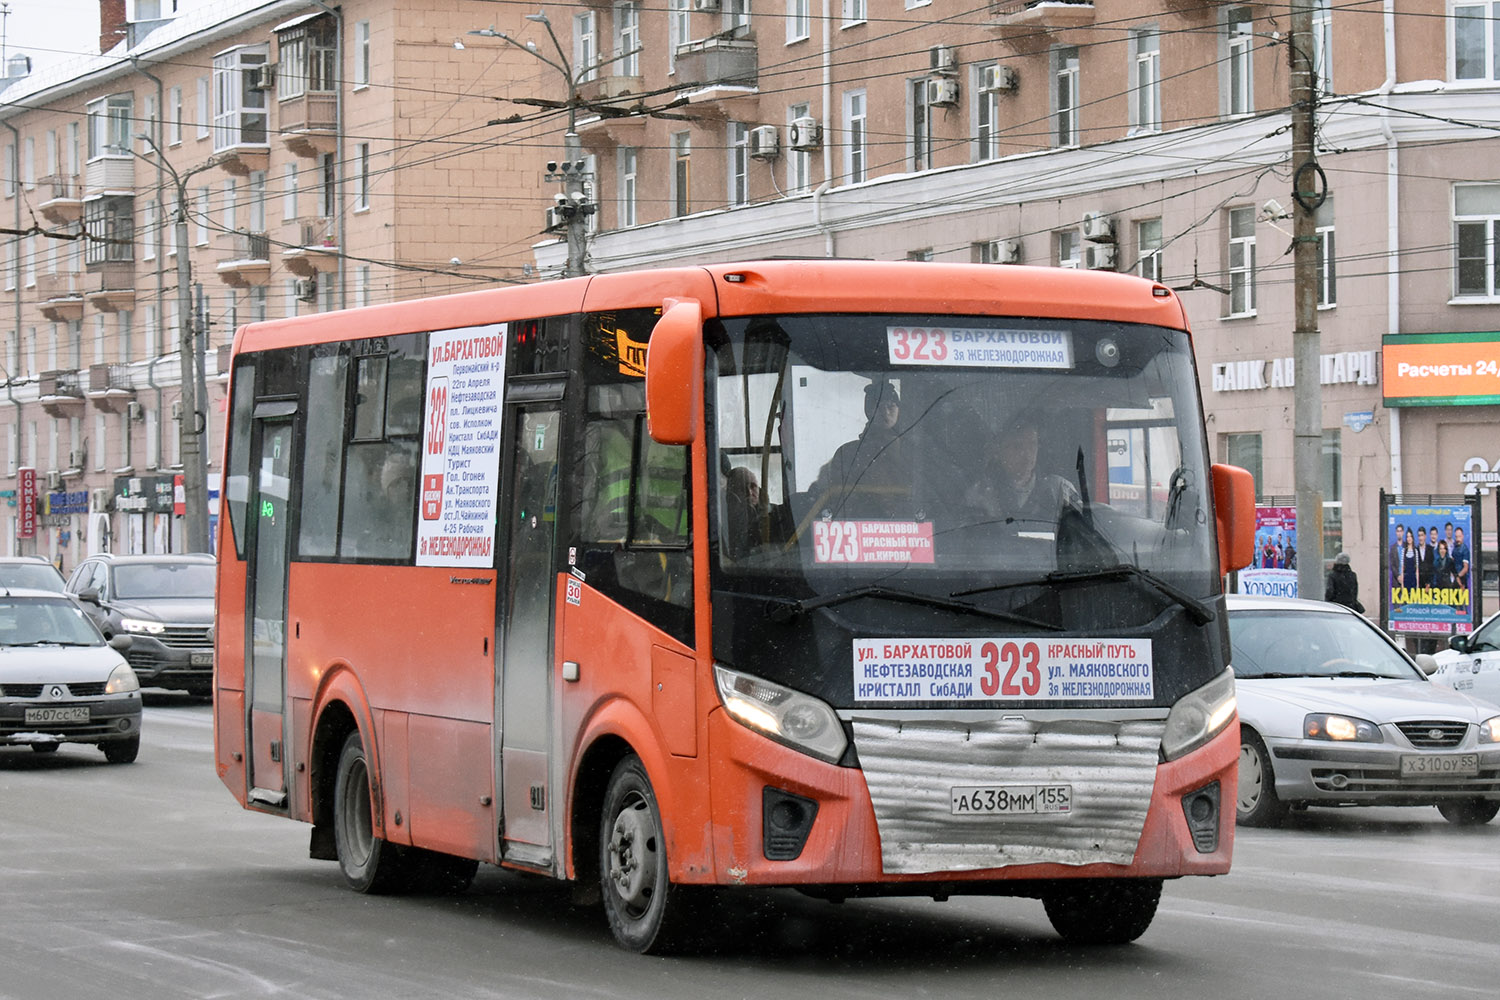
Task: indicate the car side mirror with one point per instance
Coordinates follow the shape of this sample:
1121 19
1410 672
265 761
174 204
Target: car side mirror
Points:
1428 664
121 643
1459 643
89 596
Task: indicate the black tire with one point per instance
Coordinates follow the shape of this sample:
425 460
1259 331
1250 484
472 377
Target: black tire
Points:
441 874
1103 911
45 747
647 914
368 863
122 751
1257 803
1469 812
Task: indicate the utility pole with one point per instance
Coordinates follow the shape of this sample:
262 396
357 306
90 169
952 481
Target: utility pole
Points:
1308 191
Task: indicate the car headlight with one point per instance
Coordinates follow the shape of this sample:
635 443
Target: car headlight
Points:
1489 730
1340 728
122 680
1199 716
141 625
800 721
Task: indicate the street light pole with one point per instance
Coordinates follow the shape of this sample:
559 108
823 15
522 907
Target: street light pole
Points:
194 392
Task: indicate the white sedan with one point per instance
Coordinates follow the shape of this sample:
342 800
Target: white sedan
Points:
1332 713
1471 663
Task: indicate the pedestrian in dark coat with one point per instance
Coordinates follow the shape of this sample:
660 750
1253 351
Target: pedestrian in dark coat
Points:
1342 585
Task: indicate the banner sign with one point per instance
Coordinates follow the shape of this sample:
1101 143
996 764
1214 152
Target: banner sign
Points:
25 503
1273 571
1430 569
1441 369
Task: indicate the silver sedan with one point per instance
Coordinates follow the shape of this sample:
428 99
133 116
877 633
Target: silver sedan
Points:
1332 713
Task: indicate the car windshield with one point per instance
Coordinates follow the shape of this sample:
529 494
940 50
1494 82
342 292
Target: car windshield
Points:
945 453
33 576
136 580
32 621
1306 643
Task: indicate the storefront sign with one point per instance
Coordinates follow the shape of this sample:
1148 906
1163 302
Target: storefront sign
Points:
1357 367
1479 475
26 503
68 502
1441 369
143 494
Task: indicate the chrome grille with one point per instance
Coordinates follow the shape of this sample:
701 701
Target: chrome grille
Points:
1435 734
911 766
186 637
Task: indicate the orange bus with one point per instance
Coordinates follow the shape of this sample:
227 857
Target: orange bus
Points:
860 578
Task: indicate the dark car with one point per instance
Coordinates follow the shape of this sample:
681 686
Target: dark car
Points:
165 603
60 682
31 572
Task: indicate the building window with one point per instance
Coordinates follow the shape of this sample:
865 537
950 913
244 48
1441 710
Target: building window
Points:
855 140
1327 256
1244 450
327 186
798 161
110 225
1068 248
986 116
362 285
150 232
682 149
174 122
739 164
231 206
257 201
109 124
1239 44
1476 214
308 57
924 254
289 193
679 29
1333 494
736 17
798 21
1322 27
920 125
205 109
361 54
626 159
1146 97
200 218
239 99
627 40
1242 262
362 191
1065 96
585 46
1476 41
854 13
1148 244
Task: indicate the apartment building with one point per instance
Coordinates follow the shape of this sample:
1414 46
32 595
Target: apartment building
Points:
1137 136
319 158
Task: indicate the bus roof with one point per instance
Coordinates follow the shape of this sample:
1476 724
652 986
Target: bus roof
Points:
761 288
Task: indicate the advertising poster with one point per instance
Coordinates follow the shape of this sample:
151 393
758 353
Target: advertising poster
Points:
1273 572
461 447
1430 569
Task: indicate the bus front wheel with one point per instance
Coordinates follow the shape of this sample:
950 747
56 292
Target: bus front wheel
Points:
368 863
1103 911
646 912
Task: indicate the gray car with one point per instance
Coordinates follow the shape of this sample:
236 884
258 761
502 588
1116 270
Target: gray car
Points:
61 682
1332 713
31 572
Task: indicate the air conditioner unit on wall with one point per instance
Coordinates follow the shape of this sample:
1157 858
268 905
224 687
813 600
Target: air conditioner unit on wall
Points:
765 142
942 59
54 482
805 134
101 499
709 5
1100 257
176 410
1098 227
1003 252
307 289
554 219
942 92
135 411
993 79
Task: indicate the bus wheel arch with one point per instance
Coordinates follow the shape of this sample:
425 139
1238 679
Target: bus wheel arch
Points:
367 861
590 782
334 725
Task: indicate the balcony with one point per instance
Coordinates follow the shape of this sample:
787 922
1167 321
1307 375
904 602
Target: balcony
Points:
1030 25
62 200
109 175
60 393
716 71
109 387
60 296
309 124
249 262
317 250
111 285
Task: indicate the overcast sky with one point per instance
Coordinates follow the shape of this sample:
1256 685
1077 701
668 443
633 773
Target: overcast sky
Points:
52 31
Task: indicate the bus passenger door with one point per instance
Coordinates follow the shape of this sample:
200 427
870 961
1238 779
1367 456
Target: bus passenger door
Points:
525 669
265 659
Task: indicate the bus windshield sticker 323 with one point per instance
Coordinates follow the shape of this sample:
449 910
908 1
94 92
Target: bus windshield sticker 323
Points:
996 669
974 348
461 446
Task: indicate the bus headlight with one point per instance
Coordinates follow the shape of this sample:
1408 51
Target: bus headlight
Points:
800 721
1198 717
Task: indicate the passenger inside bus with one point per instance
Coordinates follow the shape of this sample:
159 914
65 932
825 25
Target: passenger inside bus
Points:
1009 486
870 476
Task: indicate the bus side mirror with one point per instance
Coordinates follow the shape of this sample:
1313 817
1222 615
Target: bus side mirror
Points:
1234 516
674 373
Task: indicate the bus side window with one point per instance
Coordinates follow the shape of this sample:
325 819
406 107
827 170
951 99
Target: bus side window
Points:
381 458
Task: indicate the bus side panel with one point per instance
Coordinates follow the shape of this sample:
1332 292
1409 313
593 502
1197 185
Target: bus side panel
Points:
229 666
229 739
450 782
614 696
396 774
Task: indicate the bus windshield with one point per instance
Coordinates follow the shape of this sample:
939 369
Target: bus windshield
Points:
941 454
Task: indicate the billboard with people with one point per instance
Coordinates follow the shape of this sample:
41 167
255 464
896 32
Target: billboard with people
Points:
1429 568
1274 571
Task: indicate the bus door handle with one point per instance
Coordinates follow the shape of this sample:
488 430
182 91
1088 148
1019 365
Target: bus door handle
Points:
570 670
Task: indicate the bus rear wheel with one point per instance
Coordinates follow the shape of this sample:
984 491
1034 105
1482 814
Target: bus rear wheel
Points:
647 914
1104 911
368 863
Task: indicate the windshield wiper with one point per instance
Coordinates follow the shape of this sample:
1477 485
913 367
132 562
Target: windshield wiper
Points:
1364 673
47 642
1200 613
783 610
